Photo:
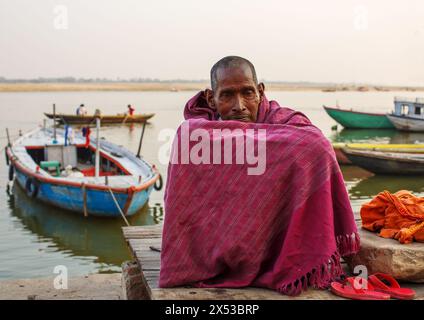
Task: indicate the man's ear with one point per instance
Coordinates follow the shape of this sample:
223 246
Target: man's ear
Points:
209 98
261 89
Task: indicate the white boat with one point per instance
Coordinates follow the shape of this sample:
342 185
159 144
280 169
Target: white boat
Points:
94 177
408 114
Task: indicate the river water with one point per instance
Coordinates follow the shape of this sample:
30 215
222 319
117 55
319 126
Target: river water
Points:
35 238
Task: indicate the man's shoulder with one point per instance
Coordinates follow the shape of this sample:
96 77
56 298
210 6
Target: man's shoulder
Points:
289 116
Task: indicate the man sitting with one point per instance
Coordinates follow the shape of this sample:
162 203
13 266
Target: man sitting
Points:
284 227
81 110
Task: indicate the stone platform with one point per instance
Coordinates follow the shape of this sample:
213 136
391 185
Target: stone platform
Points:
404 262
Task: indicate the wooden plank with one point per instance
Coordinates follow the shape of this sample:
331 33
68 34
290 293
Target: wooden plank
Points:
142 232
152 278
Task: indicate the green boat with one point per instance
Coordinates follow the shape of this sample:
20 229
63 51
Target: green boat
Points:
359 120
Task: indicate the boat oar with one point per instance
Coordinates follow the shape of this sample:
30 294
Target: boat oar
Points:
8 137
54 124
119 208
125 119
141 139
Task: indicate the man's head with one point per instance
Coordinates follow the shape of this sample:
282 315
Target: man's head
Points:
235 93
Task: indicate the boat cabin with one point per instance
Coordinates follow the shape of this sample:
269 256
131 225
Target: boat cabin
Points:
411 108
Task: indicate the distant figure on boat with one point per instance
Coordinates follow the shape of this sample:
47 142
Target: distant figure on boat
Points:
279 218
130 110
81 110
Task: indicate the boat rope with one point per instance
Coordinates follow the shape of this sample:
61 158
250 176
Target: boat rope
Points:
119 208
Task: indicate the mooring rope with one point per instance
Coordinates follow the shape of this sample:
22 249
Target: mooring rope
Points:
119 208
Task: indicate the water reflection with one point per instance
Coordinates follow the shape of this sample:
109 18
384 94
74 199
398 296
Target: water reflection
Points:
371 186
362 185
99 238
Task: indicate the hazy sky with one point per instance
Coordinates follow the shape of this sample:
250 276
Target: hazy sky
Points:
378 41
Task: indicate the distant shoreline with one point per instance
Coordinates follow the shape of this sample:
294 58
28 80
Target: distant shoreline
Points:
183 86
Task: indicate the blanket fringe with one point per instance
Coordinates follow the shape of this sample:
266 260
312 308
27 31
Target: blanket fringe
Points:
321 276
348 244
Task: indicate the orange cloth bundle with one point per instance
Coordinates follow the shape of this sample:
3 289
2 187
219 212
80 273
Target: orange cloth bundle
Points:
399 216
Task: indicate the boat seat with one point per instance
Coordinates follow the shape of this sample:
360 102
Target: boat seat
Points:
46 165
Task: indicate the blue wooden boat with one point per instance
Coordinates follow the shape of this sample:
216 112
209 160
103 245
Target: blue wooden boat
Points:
65 174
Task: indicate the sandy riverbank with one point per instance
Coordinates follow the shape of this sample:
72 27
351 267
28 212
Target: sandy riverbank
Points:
91 287
185 86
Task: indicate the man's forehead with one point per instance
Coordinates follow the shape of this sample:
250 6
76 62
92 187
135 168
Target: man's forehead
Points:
240 72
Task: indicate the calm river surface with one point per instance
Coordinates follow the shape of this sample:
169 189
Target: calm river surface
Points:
34 238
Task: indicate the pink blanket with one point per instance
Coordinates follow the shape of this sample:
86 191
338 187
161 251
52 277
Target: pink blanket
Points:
284 228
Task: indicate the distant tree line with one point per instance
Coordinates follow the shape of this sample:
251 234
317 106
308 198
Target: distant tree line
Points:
136 80
93 80
155 80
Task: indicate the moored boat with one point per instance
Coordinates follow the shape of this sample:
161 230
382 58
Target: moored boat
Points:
107 180
393 148
106 119
386 162
359 120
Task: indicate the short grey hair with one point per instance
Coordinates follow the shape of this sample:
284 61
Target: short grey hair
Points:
230 62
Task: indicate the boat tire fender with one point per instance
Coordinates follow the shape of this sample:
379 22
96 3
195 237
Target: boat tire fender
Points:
11 172
159 186
31 187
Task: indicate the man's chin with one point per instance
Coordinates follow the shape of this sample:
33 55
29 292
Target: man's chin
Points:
241 119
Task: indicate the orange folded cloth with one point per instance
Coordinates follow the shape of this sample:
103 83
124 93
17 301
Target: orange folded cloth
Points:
399 216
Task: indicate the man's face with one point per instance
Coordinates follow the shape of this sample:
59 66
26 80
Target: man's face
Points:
237 96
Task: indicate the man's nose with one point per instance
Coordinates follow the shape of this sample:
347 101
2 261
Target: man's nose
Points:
238 104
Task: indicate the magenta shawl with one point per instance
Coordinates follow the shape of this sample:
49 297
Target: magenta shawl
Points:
284 230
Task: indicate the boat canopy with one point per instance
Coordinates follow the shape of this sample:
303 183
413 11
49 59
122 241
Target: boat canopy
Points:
404 99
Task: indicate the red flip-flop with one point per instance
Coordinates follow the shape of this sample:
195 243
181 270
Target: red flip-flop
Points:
348 290
387 284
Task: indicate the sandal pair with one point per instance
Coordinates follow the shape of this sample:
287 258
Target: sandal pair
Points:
379 286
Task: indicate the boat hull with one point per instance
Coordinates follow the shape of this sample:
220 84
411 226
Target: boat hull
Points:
117 119
359 120
99 202
404 123
341 157
393 148
384 164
